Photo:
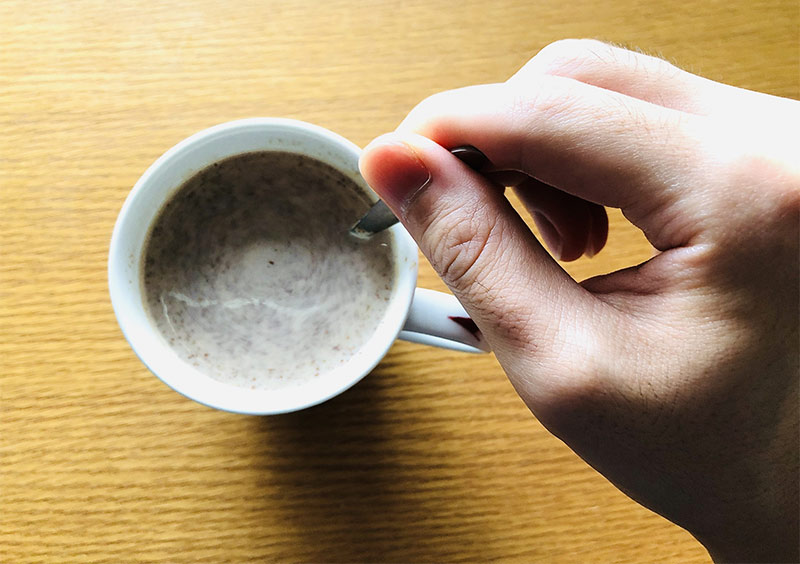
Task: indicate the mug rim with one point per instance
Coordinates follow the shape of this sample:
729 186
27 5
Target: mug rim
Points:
128 246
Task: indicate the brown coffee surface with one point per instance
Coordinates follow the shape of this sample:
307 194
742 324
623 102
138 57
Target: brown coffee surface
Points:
251 274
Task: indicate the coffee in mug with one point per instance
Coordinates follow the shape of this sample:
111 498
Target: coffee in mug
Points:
251 274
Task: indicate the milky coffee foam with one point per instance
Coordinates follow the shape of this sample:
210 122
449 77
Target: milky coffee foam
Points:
252 277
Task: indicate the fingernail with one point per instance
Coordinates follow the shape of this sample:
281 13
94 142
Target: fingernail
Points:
549 233
394 171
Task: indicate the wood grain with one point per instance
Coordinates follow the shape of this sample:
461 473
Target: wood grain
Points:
431 458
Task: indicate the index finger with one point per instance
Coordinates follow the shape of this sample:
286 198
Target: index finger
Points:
599 145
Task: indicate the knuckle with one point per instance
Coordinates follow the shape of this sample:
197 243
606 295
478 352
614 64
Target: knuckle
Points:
584 59
567 56
761 168
423 116
462 244
553 99
772 182
561 104
434 102
432 115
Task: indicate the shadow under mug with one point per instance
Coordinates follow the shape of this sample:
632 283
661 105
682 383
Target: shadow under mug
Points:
413 314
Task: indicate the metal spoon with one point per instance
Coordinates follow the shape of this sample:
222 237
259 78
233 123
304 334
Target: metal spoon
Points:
380 217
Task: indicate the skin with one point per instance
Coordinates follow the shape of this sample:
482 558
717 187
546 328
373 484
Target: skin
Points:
677 379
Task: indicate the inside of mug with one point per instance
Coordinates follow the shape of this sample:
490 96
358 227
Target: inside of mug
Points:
159 184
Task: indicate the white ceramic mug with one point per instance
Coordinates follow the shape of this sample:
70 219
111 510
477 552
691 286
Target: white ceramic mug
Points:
413 314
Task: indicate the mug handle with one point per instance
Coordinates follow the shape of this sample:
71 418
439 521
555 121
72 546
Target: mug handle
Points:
439 319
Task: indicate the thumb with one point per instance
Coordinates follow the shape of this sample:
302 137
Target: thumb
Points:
511 287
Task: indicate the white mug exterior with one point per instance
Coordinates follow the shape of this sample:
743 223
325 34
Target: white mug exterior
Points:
156 187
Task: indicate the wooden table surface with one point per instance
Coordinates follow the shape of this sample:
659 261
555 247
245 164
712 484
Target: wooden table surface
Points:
432 457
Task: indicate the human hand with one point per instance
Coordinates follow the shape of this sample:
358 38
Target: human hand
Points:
676 379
